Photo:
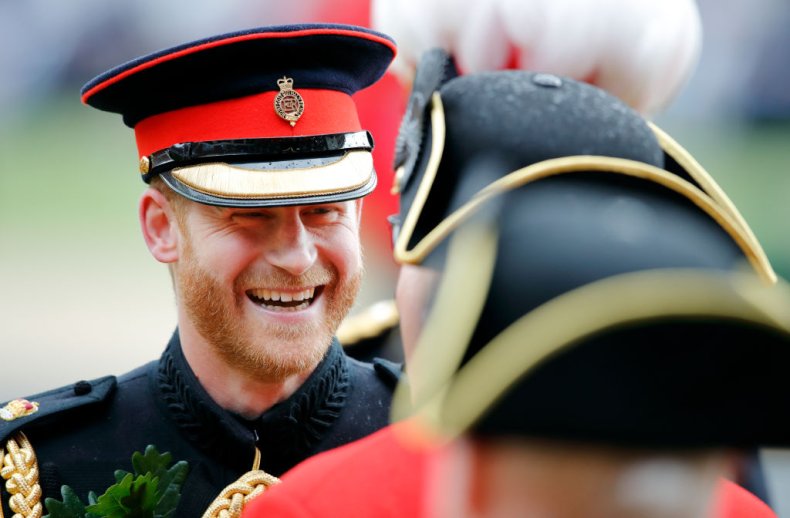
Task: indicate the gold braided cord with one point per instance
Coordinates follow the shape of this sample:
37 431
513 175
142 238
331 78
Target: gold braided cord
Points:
20 471
233 498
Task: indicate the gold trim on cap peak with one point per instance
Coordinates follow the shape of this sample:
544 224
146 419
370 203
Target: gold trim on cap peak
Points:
353 171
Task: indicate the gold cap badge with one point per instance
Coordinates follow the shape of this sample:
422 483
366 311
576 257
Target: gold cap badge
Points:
18 408
288 103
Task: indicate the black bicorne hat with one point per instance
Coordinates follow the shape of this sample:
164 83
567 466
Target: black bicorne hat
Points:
608 308
570 247
511 121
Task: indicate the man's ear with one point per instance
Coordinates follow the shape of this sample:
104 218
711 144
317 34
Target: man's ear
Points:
452 481
159 225
477 484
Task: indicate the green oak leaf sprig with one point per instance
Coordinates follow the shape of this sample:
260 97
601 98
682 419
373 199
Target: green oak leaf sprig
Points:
151 491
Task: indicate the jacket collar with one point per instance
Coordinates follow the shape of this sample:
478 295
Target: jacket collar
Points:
285 433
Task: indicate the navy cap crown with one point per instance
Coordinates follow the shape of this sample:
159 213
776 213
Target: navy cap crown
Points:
324 56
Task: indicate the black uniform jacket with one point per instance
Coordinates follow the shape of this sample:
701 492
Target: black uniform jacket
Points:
84 432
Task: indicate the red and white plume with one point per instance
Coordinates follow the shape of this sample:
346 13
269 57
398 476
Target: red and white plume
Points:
639 50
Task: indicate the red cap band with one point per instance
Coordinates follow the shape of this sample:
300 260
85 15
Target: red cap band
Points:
325 111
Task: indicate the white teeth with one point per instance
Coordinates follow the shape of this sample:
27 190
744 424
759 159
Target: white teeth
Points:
303 295
273 295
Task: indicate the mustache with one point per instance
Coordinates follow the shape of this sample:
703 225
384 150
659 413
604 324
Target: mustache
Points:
279 279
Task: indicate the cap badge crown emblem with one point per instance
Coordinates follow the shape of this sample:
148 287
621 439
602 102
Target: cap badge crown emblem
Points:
18 408
288 104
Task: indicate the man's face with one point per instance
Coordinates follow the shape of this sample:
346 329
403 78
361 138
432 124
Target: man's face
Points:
267 287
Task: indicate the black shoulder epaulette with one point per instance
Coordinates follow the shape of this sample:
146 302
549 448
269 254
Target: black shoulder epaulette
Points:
46 406
368 323
389 371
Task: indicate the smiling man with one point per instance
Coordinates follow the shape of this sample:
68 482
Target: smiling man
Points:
256 164
261 291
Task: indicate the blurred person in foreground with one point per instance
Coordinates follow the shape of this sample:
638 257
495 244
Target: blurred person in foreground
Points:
256 164
627 395
590 199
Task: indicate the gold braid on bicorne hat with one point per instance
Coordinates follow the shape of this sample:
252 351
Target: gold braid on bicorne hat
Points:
20 471
233 498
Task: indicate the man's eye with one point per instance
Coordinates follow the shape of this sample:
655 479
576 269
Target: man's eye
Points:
319 211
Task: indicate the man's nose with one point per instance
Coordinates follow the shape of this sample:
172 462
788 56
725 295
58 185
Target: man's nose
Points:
291 246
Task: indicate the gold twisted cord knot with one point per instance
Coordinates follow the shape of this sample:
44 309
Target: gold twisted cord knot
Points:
20 471
233 498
